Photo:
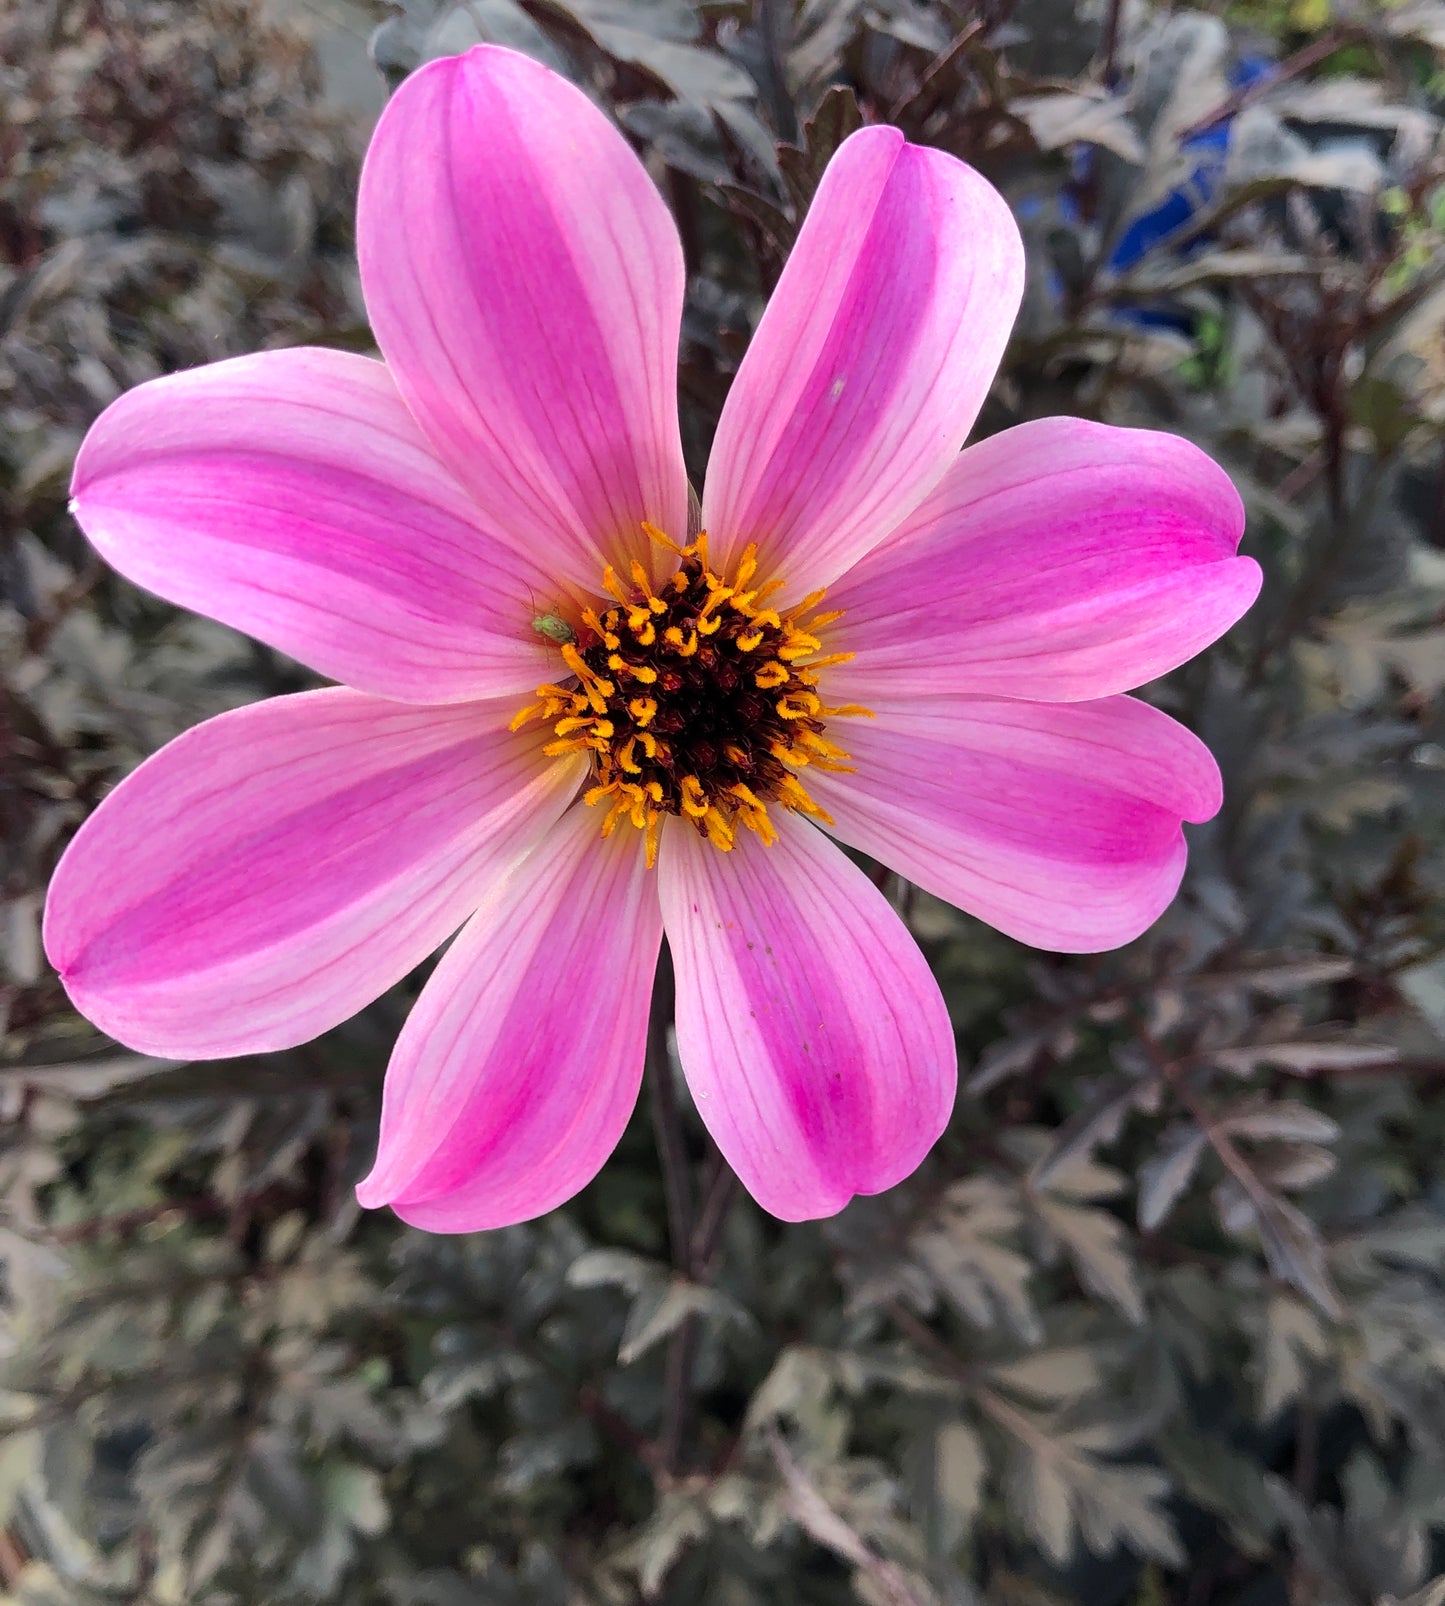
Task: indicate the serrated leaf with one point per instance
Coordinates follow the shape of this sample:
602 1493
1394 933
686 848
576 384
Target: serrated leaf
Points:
1155 277
615 1268
1281 977
1041 1499
838 115
658 1312
451 1381
678 1520
1070 117
959 1469
1053 1376
1119 1504
1010 1056
1100 1122
1293 1167
986 1280
1224 1481
1292 1338
1165 1176
1095 1243
1304 1055
811 1510
1413 1236
1283 1119
1296 1253
354 1494
799 1383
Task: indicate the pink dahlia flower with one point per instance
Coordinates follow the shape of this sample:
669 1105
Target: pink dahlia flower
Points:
569 723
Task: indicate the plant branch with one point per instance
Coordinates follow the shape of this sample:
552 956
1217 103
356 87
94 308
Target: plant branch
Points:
1109 44
677 1189
771 22
718 1197
933 78
1310 55
696 1239
808 1508
666 1118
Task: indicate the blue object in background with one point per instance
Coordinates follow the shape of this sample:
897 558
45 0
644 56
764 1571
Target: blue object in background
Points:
1209 149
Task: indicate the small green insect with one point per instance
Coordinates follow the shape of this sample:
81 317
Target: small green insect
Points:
554 628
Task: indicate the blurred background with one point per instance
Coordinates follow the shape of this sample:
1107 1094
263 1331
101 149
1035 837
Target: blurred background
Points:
1162 1321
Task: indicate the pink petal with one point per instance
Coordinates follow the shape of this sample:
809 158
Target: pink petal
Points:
525 283
871 361
520 1065
291 494
1061 560
1056 823
811 1031
273 870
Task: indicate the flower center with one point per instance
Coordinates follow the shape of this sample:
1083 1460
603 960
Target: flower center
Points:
695 698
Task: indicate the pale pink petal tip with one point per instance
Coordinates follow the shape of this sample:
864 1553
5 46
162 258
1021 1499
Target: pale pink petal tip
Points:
519 1066
871 362
1059 824
525 281
811 1031
1061 560
273 870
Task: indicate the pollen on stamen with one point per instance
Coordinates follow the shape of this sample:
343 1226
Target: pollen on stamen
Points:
693 698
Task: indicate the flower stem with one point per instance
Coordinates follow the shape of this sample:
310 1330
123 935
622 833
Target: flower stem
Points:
696 1239
666 1118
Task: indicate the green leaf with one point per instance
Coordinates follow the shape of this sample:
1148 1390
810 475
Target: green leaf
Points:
1096 1245
658 1312
960 1248
354 1494
1165 1176
959 1469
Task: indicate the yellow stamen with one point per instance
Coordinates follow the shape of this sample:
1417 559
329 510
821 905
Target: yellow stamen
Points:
644 585
798 705
660 699
791 792
718 830
694 799
820 745
798 645
652 533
